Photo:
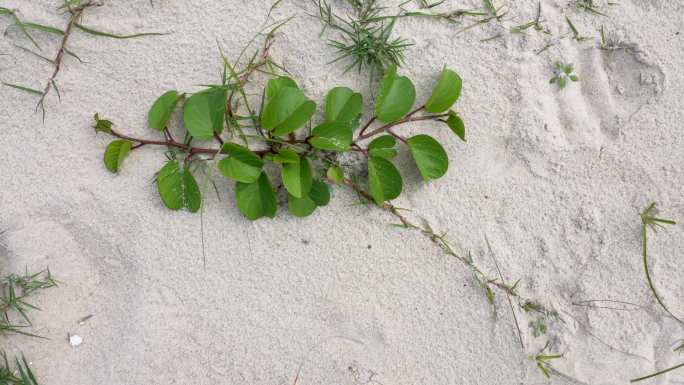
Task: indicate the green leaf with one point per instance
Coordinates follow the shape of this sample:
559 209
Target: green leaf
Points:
23 88
161 110
395 97
384 180
178 188
342 104
204 111
287 111
445 93
102 125
384 141
320 193
297 178
276 84
300 207
335 136
456 124
115 154
335 174
285 155
387 153
241 165
256 200
430 157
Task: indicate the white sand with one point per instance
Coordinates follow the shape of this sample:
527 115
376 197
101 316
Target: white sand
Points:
554 179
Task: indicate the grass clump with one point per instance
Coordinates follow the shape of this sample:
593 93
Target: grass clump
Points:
20 374
364 37
14 292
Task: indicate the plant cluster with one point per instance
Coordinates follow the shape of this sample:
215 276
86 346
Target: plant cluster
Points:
14 292
564 72
20 375
303 156
75 10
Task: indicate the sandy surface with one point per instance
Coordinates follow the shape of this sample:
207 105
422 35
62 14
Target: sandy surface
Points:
555 179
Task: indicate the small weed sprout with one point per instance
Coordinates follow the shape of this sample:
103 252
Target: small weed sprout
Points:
649 220
543 360
21 374
588 6
14 292
563 73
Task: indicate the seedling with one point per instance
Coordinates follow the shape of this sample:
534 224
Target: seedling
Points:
588 6
536 24
563 73
75 10
575 33
544 361
649 220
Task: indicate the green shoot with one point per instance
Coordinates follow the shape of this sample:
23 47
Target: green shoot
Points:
575 33
564 72
649 220
544 361
21 374
588 6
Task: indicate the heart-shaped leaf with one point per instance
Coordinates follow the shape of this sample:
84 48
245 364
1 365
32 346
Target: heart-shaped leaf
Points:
430 157
384 180
335 136
395 98
203 112
242 165
297 178
300 207
456 124
342 104
287 111
445 93
161 110
178 188
387 153
256 200
115 154
274 85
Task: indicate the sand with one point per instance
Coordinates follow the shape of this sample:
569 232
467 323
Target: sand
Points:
555 180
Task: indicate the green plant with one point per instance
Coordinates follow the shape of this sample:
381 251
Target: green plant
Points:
588 6
365 38
304 157
649 220
657 373
14 291
20 375
543 361
75 9
562 74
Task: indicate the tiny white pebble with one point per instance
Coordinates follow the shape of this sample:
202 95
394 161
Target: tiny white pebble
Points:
75 340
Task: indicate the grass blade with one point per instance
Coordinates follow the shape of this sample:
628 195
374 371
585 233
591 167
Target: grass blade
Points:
116 36
23 88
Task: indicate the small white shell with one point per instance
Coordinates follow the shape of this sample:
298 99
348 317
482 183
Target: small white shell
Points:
75 340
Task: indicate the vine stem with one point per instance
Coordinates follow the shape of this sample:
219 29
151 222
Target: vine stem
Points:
76 14
387 127
437 239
